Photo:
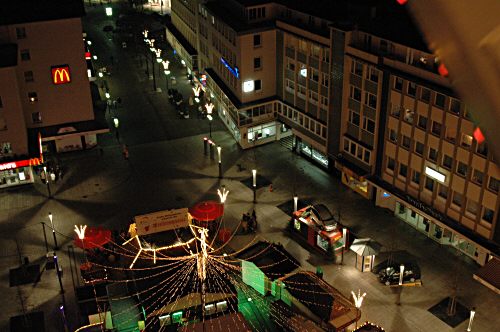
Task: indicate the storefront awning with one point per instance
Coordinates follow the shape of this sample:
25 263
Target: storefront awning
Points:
489 275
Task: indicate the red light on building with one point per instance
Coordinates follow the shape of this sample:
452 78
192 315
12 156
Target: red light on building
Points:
60 75
443 71
402 2
478 135
87 55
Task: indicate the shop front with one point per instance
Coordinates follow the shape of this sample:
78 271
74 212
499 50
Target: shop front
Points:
310 151
430 223
16 173
356 182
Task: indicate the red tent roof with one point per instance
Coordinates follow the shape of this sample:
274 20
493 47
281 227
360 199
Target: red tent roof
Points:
95 237
207 211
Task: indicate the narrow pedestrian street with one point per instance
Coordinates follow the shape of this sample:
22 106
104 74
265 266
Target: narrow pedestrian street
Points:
166 168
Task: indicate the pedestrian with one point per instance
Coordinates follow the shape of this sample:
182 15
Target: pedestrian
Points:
125 152
42 177
191 101
119 100
114 104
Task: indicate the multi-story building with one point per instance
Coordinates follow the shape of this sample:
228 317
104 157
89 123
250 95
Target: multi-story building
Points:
45 89
360 92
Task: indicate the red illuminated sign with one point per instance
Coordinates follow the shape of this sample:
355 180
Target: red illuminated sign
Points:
21 163
87 55
60 75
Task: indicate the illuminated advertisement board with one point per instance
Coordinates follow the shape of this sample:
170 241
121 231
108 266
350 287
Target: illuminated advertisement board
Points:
60 74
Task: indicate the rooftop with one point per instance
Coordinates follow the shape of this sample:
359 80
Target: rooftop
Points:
274 261
27 11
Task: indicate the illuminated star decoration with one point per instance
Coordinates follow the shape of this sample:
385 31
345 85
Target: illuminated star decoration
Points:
196 91
209 108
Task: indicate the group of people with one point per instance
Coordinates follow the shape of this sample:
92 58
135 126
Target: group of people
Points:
249 222
53 173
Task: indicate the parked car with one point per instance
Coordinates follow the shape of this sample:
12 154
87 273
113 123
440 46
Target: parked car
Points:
390 274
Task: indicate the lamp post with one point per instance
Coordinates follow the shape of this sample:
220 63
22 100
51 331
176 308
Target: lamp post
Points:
47 179
471 319
295 203
358 301
210 125
219 154
400 283
53 231
205 145
254 185
166 71
344 239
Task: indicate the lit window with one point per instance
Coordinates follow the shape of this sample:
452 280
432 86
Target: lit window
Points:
466 141
221 306
248 86
32 97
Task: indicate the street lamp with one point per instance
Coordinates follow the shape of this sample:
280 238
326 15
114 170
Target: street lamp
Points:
401 273
47 179
209 117
53 231
166 71
254 185
358 301
344 239
471 318
295 203
219 152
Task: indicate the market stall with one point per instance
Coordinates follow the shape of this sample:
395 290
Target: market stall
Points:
316 225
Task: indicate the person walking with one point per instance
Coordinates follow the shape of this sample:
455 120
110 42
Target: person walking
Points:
125 152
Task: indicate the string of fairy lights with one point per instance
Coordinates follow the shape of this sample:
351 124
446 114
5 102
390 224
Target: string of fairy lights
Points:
173 281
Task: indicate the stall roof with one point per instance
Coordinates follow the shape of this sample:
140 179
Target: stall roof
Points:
489 275
273 259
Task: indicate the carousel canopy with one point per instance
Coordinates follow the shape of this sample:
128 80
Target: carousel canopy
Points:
95 237
207 211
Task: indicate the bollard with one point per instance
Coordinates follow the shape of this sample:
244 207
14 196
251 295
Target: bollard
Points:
205 142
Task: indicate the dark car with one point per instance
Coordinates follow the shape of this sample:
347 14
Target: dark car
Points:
390 274
108 28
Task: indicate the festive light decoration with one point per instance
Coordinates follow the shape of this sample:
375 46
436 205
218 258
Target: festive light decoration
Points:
478 135
196 91
222 195
209 108
358 299
80 231
443 71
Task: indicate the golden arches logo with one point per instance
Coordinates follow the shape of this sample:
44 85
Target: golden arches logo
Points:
60 75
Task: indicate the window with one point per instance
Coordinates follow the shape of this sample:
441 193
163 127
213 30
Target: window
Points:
429 183
21 33
355 93
369 125
393 136
436 128
36 117
462 169
447 161
406 142
372 74
403 170
290 85
314 75
455 106
32 97
477 177
221 306
28 76
433 155
315 51
451 133
290 65
425 95
415 177
422 122
443 191
301 91
408 117
366 156
257 63
357 68
488 215
325 80
395 110
25 55
324 101
493 185
313 97
354 117
210 309
370 100
440 99
257 85
419 148
466 141
391 163
472 207
257 41
457 198
412 89
482 149
398 84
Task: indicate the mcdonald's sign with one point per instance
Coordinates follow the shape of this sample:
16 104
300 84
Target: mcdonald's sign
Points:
60 75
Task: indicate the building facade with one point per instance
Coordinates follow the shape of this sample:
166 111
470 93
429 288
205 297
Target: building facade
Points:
48 90
357 95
